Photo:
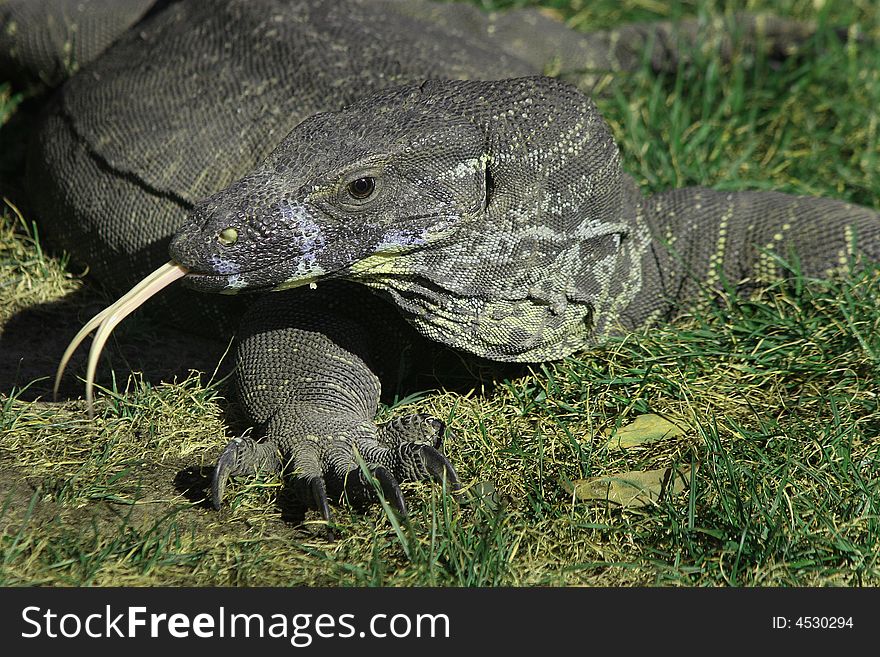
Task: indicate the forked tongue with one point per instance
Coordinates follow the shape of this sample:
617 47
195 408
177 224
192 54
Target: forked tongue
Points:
106 320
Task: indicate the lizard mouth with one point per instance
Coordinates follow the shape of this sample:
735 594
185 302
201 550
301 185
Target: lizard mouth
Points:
241 282
106 320
216 283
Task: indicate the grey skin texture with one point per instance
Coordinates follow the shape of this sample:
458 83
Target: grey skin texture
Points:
292 144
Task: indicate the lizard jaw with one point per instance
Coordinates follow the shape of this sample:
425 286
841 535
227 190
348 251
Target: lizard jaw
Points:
106 320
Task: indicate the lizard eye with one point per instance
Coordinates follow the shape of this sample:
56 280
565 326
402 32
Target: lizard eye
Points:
361 188
228 236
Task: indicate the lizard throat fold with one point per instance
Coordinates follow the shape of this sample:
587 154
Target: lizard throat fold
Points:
106 320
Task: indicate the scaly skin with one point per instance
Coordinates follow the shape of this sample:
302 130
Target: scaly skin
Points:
316 402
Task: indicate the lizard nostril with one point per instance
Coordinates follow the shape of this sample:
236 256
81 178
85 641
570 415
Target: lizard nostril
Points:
228 236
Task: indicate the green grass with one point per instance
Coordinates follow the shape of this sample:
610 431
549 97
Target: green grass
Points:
778 393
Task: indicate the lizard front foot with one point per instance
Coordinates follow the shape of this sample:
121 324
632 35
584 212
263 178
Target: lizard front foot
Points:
321 455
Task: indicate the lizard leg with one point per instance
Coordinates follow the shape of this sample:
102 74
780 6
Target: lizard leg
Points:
305 380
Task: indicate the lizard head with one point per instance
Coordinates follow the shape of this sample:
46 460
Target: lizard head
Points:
494 215
344 194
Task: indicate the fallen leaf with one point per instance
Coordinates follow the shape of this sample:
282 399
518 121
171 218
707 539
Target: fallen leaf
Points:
644 429
631 489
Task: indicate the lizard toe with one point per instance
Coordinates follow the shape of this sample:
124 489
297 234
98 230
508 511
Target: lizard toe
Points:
433 463
358 487
319 497
242 456
419 428
416 441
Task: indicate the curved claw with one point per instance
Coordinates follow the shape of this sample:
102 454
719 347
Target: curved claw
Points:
439 467
242 455
225 465
390 488
319 496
